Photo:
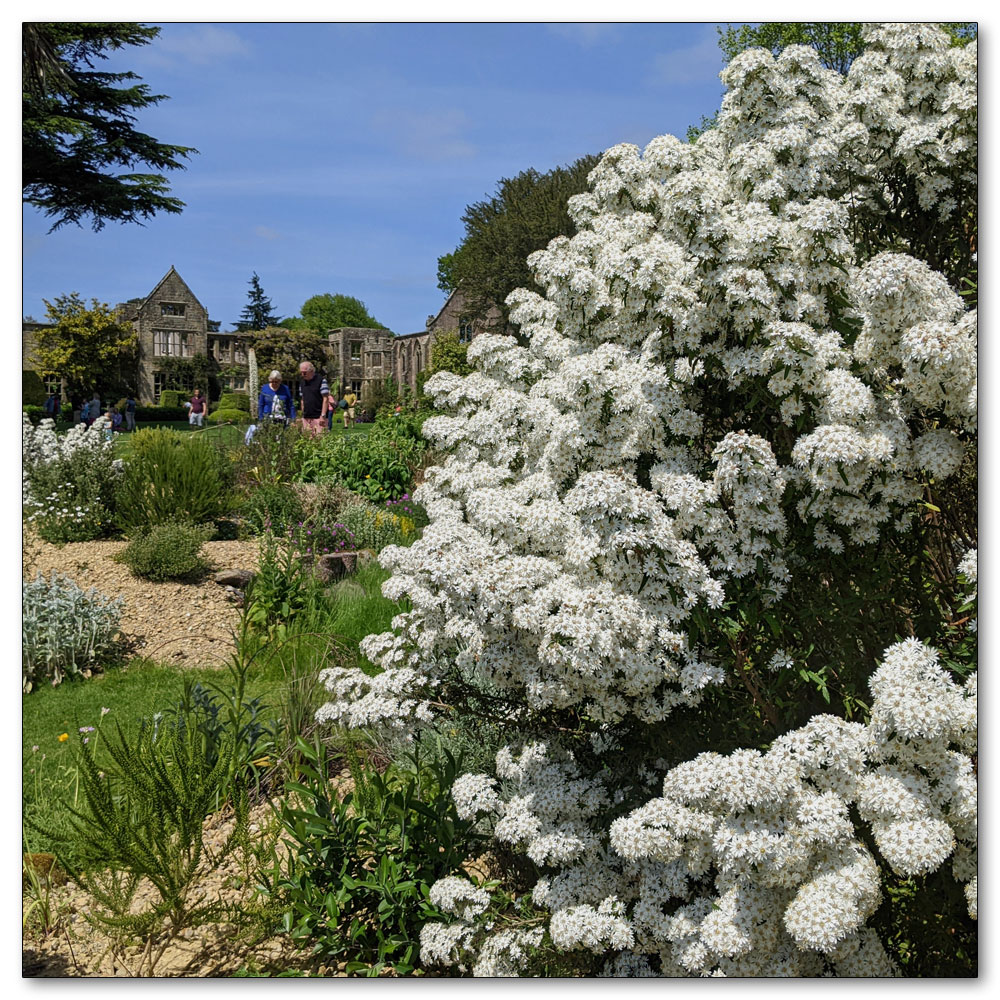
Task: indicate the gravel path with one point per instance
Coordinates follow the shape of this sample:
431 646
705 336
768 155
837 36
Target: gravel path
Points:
187 624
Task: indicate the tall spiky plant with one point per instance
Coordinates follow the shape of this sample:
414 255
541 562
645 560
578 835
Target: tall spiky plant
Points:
254 383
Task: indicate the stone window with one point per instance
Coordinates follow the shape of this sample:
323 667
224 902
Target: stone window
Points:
171 308
237 383
159 384
53 384
465 330
356 351
171 344
240 354
222 350
375 359
356 387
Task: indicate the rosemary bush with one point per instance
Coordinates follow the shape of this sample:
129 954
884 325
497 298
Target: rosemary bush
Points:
65 631
170 477
270 505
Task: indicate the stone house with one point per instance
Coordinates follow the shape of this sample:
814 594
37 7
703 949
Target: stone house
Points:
172 323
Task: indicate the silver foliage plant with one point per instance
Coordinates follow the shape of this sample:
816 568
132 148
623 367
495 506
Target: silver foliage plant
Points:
598 495
65 630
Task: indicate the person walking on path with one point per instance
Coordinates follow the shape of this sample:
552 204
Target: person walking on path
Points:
53 405
275 402
315 394
350 399
196 415
130 413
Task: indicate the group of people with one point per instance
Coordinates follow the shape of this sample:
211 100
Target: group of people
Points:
89 410
274 404
318 405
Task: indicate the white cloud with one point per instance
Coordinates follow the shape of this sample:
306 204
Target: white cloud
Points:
585 34
697 63
430 135
198 44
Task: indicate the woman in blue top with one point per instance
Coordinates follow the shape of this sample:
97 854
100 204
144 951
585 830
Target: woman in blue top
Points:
275 402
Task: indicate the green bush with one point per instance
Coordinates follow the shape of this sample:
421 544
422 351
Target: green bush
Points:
221 416
65 631
356 883
170 477
171 398
271 456
374 467
32 388
168 552
35 413
270 505
323 502
235 401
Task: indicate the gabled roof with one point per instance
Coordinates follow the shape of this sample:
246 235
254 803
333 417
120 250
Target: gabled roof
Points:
172 271
437 315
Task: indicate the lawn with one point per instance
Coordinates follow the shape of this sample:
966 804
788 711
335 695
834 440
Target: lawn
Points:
282 674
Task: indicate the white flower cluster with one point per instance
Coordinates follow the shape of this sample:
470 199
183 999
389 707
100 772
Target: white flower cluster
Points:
41 445
718 379
574 525
749 864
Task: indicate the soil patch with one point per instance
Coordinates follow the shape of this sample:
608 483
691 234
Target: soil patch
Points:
187 624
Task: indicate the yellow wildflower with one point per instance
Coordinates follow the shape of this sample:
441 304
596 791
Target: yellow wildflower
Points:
63 737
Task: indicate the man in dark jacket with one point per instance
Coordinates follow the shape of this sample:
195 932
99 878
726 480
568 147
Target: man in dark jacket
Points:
315 393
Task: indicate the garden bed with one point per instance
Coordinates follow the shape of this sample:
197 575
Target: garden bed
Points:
185 623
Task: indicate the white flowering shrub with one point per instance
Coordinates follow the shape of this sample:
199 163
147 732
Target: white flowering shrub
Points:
68 480
692 515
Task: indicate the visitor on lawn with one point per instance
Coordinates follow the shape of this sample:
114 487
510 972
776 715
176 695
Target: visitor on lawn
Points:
275 402
315 394
53 405
93 410
130 413
196 415
114 422
350 399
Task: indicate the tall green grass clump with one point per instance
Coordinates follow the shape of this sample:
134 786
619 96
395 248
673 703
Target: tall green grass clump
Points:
170 477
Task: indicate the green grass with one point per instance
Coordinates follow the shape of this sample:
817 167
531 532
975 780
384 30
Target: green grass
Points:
354 608
229 434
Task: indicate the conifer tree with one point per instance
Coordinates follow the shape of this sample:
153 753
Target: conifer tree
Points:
258 314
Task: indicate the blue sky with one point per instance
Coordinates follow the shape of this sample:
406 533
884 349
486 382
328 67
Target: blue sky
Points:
340 157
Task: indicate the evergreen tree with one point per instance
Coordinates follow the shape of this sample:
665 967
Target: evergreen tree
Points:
77 127
526 212
258 313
